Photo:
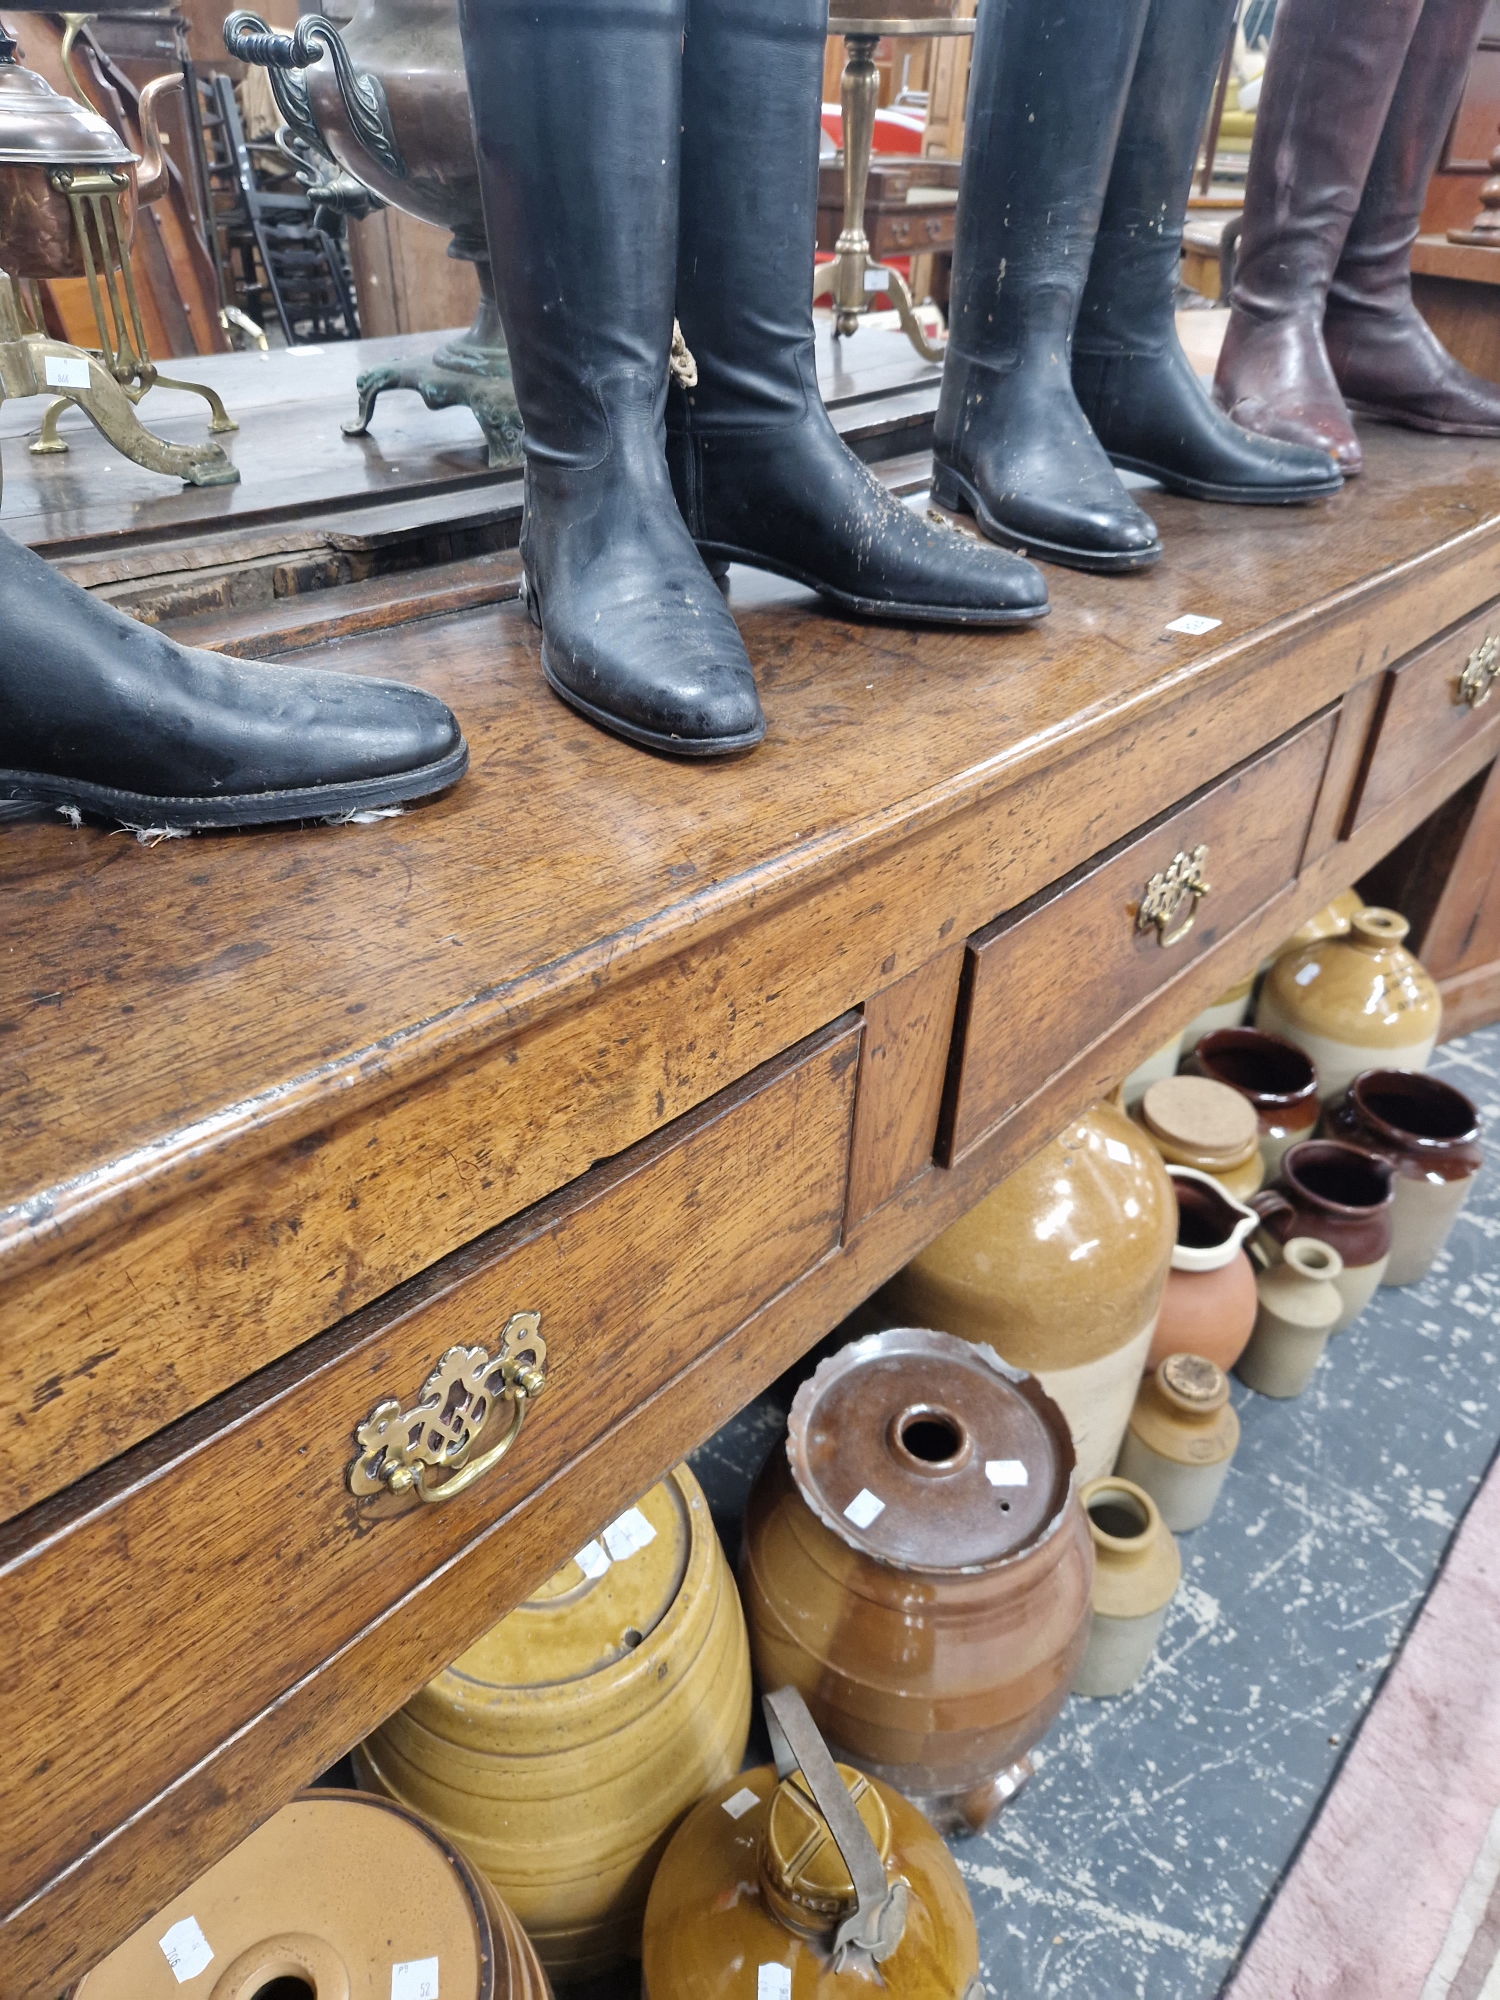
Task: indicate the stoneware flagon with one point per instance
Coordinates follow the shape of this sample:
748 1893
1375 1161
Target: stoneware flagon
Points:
1136 1574
1332 920
1430 1134
809 1879
1354 1003
1194 1121
1183 1433
1276 1078
1299 1306
561 1750
1208 1306
330 1898
1343 1196
917 1565
1060 1269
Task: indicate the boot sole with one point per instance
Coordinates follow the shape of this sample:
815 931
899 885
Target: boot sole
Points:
141 812
874 607
1238 496
650 739
951 490
1399 417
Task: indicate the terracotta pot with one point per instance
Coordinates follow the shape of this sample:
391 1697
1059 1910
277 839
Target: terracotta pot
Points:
1161 1062
1430 1134
1061 1270
1299 1306
1182 1435
1194 1122
917 1565
1342 1195
1208 1307
1276 1079
755 1883
1228 1011
1136 1573
1355 1003
563 1748
333 1895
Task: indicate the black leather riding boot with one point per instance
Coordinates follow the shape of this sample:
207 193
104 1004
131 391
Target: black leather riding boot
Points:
760 472
1388 361
1046 93
577 113
1133 380
101 714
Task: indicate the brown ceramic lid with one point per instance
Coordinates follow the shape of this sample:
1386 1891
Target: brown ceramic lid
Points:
1202 1117
930 1453
808 1878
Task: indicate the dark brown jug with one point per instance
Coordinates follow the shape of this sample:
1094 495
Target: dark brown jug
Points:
1272 1074
1342 1195
1430 1134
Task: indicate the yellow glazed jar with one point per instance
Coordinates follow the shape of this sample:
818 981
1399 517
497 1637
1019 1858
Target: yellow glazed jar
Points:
1060 1269
1137 1569
1354 1003
1333 920
563 1748
1228 1011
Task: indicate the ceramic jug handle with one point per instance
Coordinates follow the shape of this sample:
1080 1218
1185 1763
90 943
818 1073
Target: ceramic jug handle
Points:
874 1930
1271 1205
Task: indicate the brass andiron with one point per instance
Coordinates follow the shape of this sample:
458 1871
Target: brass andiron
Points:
854 275
69 190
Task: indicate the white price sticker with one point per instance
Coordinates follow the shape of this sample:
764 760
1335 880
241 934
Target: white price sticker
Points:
187 1950
417 1979
874 281
741 1803
864 1508
1194 626
1006 1472
592 1560
64 371
631 1532
773 1982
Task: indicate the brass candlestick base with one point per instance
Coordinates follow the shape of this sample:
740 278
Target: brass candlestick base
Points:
854 273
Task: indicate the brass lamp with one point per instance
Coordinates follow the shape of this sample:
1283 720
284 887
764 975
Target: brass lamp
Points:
69 191
854 273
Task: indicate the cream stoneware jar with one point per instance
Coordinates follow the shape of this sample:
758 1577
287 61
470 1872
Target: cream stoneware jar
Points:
1354 1003
1183 1434
1299 1306
1136 1573
1228 1011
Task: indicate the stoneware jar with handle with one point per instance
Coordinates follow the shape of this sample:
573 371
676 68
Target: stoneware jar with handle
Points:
1060 1269
1276 1079
1208 1307
1342 1195
1183 1433
809 1880
1430 1134
1136 1574
1354 1003
916 1562
1299 1306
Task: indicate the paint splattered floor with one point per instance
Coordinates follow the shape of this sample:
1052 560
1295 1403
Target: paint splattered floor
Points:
1159 1824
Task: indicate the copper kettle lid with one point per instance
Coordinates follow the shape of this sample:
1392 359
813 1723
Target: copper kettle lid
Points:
930 1453
38 128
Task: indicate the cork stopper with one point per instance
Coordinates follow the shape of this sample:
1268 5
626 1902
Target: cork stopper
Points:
1192 1384
806 1878
1201 1117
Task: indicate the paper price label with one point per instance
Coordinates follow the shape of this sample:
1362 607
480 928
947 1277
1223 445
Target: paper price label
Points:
186 1950
773 1982
66 372
592 1560
631 1532
864 1508
1193 625
1006 1472
417 1979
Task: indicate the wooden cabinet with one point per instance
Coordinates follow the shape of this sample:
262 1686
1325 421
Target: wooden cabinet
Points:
1436 720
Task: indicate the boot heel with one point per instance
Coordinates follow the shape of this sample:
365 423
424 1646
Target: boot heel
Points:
946 491
717 567
530 599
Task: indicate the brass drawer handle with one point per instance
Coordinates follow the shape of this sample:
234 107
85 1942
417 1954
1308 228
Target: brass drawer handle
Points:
402 1450
1178 886
1482 669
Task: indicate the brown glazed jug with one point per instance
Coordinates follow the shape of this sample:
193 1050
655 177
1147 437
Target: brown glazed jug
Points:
807 1880
1208 1307
1060 1269
1341 1195
1276 1078
338 1895
917 1564
1430 1134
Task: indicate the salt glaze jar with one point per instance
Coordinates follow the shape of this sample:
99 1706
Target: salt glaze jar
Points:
337 1894
1195 1122
1136 1574
1208 1307
807 1880
1228 1011
1430 1134
561 1750
916 1563
1276 1079
1299 1306
1342 1195
1354 1003
1161 1062
1061 1269
1183 1433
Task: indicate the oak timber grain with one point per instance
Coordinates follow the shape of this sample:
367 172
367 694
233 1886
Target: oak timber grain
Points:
248 1561
1052 977
903 1059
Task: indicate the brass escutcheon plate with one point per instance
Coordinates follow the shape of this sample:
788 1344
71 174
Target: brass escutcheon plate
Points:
1180 886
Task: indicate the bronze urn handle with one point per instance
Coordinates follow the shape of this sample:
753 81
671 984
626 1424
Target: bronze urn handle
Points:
250 39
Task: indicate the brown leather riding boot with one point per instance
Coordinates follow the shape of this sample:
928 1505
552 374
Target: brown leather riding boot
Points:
1332 72
1388 361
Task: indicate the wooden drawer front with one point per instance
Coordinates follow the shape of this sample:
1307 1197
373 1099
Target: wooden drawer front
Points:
160 1604
1424 717
1044 982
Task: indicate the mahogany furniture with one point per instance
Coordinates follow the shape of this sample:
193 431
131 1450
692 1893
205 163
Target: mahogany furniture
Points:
687 1060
